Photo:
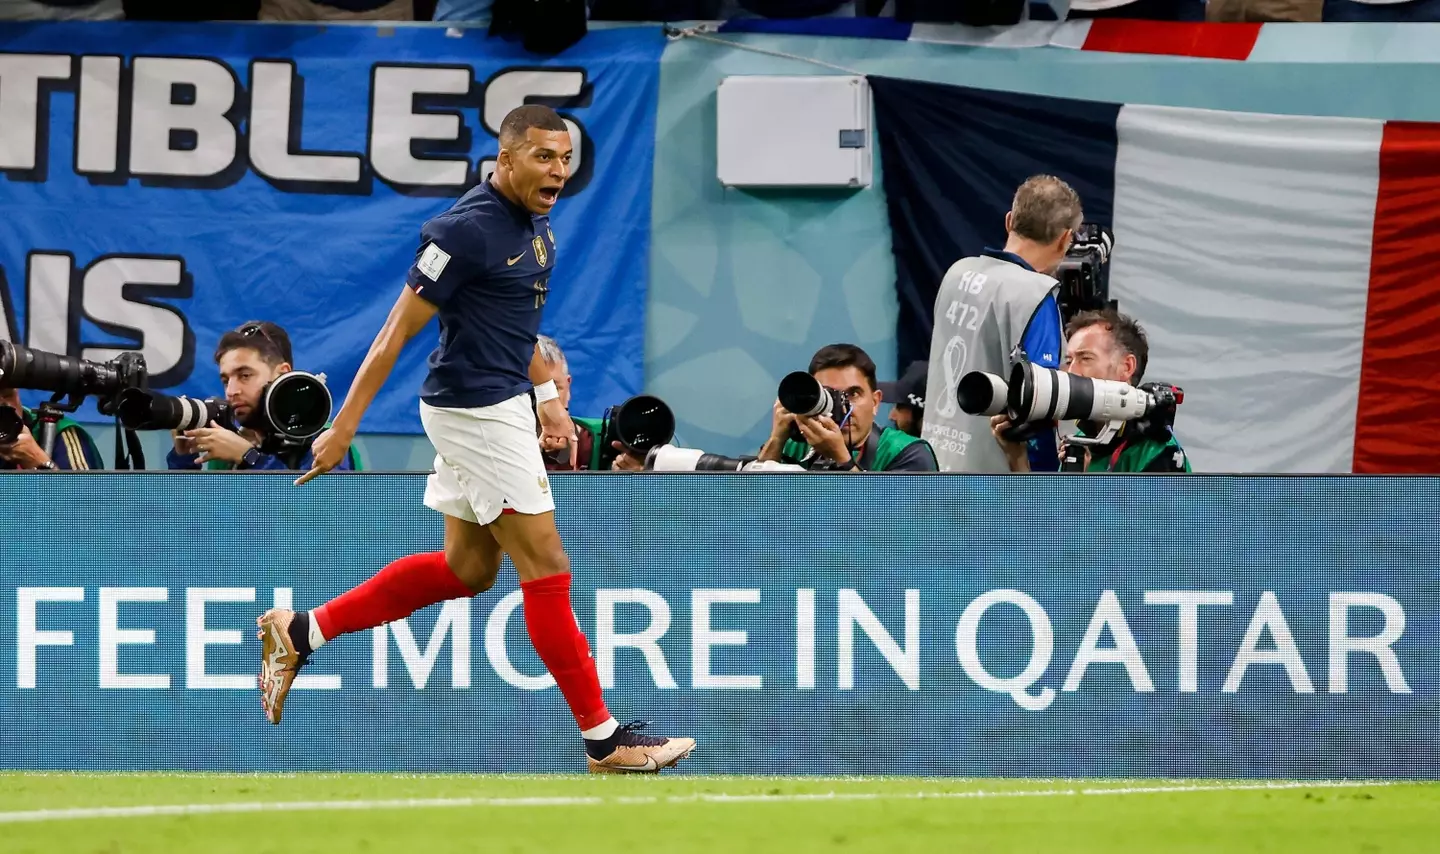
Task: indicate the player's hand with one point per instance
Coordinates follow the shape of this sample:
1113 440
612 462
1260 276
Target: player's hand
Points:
780 421
217 443
556 429
824 435
327 452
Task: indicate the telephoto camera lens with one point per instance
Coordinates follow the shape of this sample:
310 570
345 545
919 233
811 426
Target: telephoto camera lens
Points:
980 393
670 458
1045 394
641 423
295 405
802 394
22 367
148 410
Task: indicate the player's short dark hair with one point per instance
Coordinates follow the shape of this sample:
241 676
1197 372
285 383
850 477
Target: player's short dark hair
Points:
845 356
520 120
1044 206
262 336
1129 336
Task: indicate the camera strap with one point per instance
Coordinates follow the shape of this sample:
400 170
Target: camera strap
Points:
1115 456
135 460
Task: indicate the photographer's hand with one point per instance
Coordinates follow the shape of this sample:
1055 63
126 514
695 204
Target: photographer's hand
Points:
824 435
217 443
25 452
625 461
780 421
1084 454
184 445
1016 455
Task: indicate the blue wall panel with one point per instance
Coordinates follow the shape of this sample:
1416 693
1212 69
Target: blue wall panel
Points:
934 625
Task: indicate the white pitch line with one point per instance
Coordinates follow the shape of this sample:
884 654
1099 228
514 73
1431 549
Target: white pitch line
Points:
434 803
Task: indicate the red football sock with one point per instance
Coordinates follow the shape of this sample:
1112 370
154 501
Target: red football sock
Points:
399 590
563 648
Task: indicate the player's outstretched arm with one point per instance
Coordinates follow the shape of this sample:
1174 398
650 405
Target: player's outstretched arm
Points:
407 317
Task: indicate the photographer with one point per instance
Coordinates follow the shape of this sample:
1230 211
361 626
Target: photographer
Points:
73 450
990 308
1106 345
857 444
584 453
250 357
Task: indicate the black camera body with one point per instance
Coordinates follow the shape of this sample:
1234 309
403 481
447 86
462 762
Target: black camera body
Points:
802 394
1084 272
1159 420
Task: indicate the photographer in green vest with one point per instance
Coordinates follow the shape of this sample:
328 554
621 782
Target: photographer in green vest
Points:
855 442
1107 345
73 450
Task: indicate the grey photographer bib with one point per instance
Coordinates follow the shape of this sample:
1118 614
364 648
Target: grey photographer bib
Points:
982 311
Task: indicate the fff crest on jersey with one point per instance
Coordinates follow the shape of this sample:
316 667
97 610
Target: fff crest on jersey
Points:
540 253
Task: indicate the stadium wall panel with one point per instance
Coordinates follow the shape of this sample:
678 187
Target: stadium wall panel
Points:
1105 626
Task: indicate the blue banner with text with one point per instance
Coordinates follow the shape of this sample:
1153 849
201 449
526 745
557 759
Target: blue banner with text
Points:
1042 626
162 183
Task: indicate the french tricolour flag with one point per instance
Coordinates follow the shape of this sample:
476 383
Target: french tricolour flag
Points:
1286 268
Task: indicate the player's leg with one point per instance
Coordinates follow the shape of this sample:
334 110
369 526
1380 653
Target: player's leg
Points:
468 565
534 546
526 531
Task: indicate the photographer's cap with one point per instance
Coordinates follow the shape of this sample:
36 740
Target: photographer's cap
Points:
909 390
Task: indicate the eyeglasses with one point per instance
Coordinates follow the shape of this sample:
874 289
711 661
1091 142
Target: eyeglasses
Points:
250 330
253 329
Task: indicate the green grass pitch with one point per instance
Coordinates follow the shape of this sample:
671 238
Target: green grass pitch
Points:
314 813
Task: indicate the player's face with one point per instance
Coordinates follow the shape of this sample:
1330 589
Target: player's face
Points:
863 399
1092 352
539 168
244 375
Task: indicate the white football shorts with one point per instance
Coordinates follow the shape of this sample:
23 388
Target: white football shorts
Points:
487 461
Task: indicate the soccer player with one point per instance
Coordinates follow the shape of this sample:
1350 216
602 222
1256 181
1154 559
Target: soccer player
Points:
484 265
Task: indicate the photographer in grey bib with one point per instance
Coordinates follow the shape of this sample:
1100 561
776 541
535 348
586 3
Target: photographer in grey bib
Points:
994 308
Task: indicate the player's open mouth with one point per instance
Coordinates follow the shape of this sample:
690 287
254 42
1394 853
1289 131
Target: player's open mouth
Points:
548 195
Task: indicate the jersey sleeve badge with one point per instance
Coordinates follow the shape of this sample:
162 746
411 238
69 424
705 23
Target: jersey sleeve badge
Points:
432 262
